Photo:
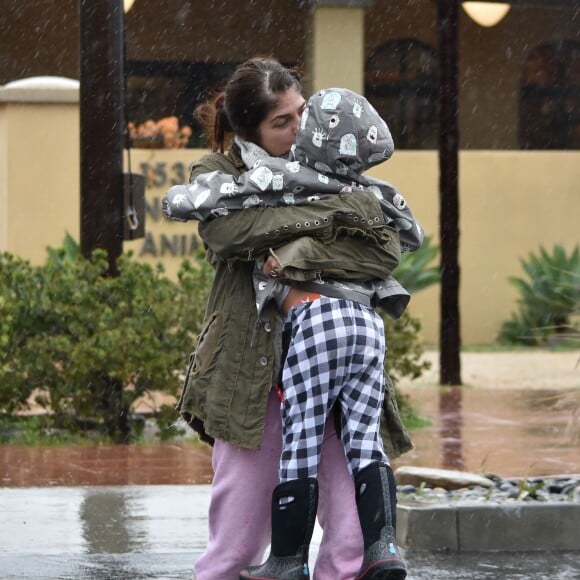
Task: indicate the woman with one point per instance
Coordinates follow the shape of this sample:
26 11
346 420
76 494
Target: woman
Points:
229 395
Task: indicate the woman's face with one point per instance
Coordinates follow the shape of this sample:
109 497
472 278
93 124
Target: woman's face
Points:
277 132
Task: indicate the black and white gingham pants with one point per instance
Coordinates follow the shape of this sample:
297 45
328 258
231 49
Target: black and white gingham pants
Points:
335 356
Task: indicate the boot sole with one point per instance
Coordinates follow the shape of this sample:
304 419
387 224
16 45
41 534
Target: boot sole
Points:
388 575
266 577
384 571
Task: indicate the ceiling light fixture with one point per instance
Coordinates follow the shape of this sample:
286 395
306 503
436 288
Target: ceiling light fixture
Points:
486 13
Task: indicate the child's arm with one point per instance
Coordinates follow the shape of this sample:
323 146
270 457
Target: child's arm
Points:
270 184
210 195
397 212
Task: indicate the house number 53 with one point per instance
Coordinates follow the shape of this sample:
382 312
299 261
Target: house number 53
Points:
160 174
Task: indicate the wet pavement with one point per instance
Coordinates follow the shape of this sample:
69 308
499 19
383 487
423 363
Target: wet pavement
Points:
510 433
134 532
506 432
131 512
517 415
72 465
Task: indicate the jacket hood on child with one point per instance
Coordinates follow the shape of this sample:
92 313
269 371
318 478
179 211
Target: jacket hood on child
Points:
341 132
341 135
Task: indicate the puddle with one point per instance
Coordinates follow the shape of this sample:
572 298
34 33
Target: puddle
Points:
507 432
163 464
501 431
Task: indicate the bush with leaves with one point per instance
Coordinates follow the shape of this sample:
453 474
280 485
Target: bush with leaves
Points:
404 358
404 347
88 345
416 272
19 306
548 300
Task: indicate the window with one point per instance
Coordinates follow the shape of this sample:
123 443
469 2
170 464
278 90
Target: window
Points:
157 89
402 83
550 97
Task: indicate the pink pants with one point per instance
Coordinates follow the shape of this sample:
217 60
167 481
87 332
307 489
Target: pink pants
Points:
239 512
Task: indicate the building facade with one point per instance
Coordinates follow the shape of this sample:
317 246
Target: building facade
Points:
519 118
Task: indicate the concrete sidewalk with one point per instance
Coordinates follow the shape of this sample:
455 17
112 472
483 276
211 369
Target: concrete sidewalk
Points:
134 532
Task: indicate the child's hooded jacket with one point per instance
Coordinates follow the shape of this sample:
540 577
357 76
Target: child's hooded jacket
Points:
341 135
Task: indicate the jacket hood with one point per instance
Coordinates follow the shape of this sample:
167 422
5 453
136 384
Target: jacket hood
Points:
341 132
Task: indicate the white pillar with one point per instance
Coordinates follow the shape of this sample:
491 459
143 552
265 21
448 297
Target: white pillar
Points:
39 165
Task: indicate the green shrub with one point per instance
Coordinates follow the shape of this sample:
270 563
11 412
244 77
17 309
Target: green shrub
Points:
404 347
86 345
415 272
404 352
19 306
548 298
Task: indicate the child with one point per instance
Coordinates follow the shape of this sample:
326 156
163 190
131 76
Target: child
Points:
334 339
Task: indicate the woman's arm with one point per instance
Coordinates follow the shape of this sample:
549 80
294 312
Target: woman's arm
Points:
347 258
245 234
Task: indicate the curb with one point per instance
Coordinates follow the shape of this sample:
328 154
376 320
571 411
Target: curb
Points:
517 527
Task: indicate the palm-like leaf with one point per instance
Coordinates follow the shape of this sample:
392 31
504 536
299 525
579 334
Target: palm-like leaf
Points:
547 298
414 272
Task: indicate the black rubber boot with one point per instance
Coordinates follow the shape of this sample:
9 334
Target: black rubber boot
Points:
376 502
292 526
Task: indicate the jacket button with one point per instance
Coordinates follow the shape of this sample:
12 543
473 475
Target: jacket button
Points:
267 327
263 361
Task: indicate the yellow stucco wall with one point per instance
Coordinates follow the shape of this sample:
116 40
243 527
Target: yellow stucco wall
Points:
511 202
491 60
39 181
332 39
337 48
165 241
3 179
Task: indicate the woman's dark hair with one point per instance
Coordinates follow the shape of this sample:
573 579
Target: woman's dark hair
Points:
249 96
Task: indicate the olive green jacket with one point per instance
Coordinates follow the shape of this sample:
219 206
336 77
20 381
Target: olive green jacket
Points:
234 365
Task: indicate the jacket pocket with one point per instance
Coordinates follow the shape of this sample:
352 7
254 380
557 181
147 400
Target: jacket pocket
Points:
206 346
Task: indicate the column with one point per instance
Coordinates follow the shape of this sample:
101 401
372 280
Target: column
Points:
336 50
39 165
